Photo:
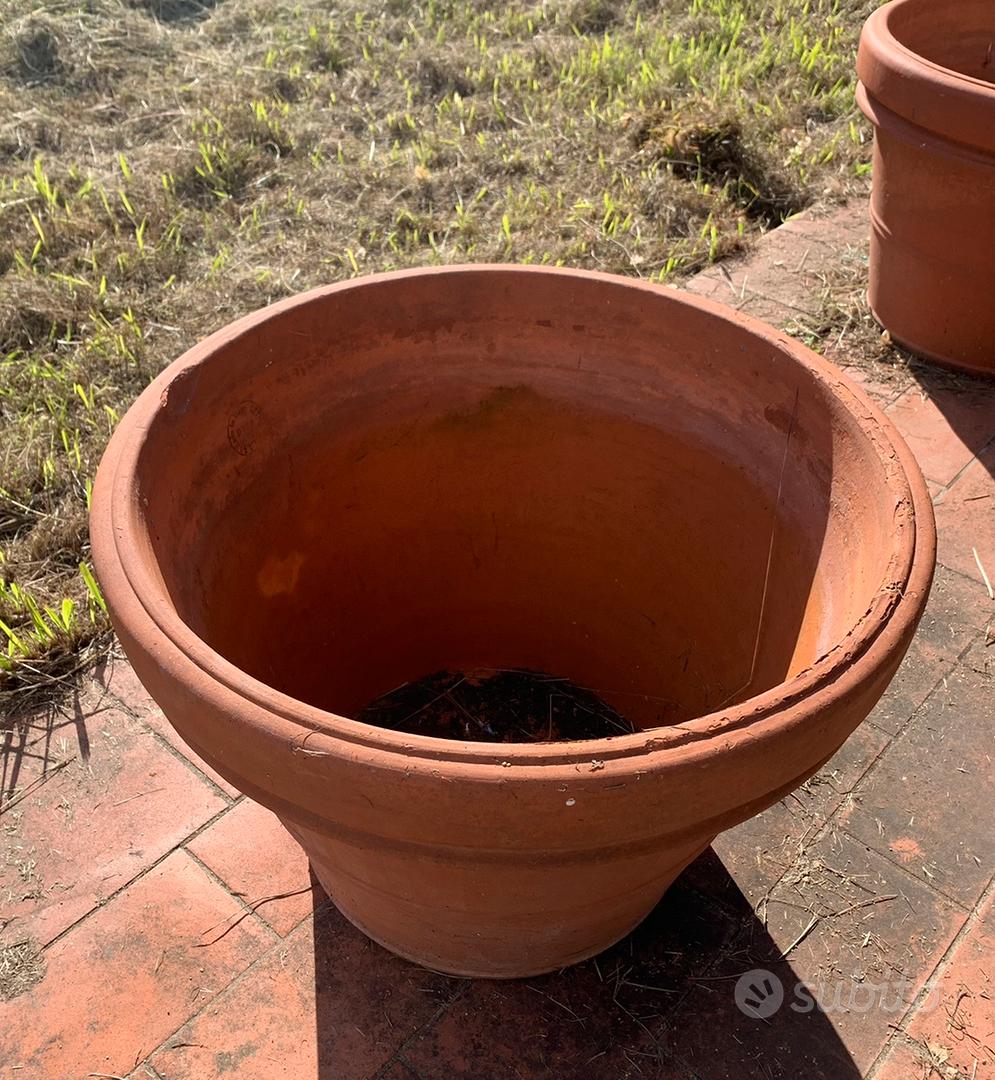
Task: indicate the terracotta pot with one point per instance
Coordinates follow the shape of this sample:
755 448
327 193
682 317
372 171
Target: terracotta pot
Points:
927 82
509 467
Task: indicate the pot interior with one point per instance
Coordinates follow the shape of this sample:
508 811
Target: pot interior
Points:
505 469
957 36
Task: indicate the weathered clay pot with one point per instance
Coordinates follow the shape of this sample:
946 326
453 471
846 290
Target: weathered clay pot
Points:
498 466
927 82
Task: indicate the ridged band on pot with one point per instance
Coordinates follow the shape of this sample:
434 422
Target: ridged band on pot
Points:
926 74
511 859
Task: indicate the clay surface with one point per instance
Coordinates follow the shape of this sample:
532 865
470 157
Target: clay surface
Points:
927 82
501 467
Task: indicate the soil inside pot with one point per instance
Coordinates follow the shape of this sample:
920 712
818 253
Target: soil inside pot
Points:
487 705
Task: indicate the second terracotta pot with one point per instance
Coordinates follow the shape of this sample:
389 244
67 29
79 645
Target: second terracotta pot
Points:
504 467
927 82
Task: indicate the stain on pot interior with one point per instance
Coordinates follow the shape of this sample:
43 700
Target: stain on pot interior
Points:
678 508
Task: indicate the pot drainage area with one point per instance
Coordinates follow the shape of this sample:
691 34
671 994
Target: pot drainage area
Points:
487 705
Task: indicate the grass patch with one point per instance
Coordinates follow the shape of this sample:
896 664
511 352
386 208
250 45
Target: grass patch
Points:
712 150
21 967
168 165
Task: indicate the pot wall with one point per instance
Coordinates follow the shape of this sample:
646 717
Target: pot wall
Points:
476 478
668 446
926 84
507 871
476 918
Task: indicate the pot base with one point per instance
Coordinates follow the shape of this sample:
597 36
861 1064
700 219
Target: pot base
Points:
937 306
979 368
473 971
440 921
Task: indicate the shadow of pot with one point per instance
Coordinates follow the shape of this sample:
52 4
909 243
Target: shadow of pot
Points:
469 467
927 83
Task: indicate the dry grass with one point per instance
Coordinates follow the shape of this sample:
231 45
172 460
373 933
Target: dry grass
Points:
21 967
847 333
166 165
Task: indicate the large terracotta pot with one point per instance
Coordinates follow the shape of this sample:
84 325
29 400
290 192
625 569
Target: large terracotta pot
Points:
454 468
927 82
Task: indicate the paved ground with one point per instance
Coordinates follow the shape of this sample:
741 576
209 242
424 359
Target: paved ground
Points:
182 939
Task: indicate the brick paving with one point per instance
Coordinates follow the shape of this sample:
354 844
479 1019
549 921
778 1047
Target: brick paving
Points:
183 937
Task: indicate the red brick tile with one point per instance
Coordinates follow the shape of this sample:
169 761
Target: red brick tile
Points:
836 226
981 657
958 611
256 857
158 723
965 521
944 427
648 971
905 1062
713 284
883 384
33 747
928 804
956 1020
40 739
327 1003
861 956
760 284
114 675
95 824
799 232
580 1022
782 279
922 669
512 1030
720 1043
118 678
757 852
400 1071
128 977
842 773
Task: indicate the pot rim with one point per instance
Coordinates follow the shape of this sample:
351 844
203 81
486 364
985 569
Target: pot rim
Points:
946 102
130 586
